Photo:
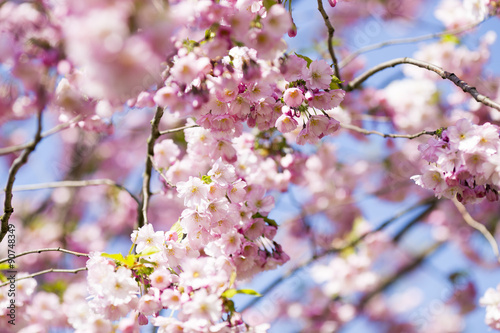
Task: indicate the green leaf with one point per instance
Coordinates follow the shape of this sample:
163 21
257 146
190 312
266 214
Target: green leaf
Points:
334 83
450 39
4 266
206 179
177 228
229 293
265 218
147 252
268 3
309 60
118 257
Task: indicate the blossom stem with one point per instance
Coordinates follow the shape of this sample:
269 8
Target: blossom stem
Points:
50 270
331 31
52 249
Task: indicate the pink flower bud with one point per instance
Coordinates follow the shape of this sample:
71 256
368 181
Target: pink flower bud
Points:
332 3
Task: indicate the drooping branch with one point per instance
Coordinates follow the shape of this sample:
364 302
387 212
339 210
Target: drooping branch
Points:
384 135
429 201
409 40
433 68
50 270
58 128
16 165
331 31
142 216
75 183
52 249
478 226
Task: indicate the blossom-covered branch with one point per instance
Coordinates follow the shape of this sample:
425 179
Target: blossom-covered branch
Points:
422 64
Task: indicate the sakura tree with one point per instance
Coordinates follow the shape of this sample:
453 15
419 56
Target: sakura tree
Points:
211 166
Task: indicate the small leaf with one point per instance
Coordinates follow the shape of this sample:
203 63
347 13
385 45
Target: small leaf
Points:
450 38
229 293
147 252
116 257
206 179
4 266
309 60
177 228
268 3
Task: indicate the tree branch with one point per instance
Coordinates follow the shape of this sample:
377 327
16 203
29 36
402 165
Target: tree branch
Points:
429 201
142 216
51 270
331 31
173 130
60 127
405 270
53 249
16 165
478 226
409 40
368 132
433 68
75 183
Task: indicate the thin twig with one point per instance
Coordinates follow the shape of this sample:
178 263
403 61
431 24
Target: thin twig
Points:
58 128
408 40
161 173
384 135
331 31
478 226
75 183
351 244
146 191
173 130
433 68
402 272
52 249
16 165
51 270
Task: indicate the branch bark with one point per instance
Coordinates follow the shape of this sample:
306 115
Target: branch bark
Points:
75 183
331 31
16 165
142 216
50 270
52 249
354 84
394 136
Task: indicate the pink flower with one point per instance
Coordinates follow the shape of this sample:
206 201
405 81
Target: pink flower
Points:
286 123
165 153
293 97
318 75
194 191
332 3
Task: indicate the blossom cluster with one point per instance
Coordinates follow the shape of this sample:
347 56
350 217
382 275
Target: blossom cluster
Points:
463 162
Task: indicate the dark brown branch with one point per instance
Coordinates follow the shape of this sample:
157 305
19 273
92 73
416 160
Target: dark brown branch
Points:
433 68
16 165
142 216
331 31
